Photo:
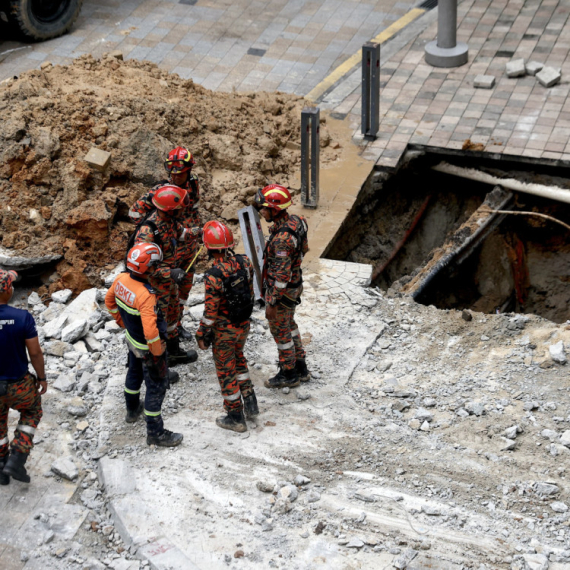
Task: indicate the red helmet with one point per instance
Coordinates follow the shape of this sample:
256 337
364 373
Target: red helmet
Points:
274 196
217 236
168 198
179 160
142 257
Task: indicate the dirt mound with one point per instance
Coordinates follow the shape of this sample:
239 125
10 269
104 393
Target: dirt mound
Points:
53 202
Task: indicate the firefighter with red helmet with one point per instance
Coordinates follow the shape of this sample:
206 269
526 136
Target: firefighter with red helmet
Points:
178 165
225 324
163 228
133 304
283 282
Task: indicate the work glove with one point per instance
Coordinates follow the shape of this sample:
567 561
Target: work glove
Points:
177 275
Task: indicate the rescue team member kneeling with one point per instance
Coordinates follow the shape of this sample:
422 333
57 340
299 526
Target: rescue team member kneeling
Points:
283 282
133 304
19 389
225 324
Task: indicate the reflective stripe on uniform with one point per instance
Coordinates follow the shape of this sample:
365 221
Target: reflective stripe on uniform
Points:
280 284
113 311
182 302
4 441
136 344
295 332
207 322
26 429
129 310
285 346
134 215
195 206
132 391
233 397
151 414
243 376
171 327
153 339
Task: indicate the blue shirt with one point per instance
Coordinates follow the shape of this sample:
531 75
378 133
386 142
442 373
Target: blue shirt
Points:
16 326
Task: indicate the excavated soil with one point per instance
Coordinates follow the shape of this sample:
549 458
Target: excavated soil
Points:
55 203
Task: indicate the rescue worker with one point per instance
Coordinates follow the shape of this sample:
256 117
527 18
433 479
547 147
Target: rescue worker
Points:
225 324
283 282
178 164
19 389
162 227
133 304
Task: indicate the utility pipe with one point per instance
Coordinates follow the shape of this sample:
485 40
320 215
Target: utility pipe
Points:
550 192
446 260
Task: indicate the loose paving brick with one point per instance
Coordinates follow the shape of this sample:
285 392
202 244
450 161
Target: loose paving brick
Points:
548 76
484 81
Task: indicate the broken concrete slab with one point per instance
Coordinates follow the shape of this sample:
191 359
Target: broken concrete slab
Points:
66 468
64 383
74 331
515 68
116 476
97 158
8 260
62 296
163 555
549 76
557 352
484 81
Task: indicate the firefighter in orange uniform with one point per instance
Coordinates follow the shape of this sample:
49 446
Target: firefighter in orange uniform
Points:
133 304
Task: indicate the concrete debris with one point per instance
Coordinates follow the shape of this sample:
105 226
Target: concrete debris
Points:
475 408
98 159
545 489
484 81
62 296
533 67
282 506
565 438
53 328
355 543
66 468
559 507
313 496
536 561
548 76
557 352
64 383
34 299
550 434
508 444
301 480
74 331
402 561
289 492
515 68
264 486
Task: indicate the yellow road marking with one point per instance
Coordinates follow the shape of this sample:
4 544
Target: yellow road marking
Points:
355 59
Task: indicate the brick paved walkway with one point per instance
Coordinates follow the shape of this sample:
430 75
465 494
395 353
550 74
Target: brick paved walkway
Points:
285 45
440 107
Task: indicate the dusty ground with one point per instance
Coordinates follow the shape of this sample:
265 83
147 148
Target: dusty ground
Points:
54 203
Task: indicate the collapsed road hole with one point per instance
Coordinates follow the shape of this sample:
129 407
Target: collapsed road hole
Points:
435 236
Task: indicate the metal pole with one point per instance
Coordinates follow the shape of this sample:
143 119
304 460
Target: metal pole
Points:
310 149
370 113
446 51
253 243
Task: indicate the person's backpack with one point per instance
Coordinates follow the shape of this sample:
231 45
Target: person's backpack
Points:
237 292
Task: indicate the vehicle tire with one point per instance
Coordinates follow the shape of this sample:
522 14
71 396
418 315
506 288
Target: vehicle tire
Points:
44 19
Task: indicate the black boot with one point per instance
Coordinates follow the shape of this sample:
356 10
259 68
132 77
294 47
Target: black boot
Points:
133 415
234 421
173 377
166 439
184 334
302 371
284 379
15 467
178 356
4 479
250 406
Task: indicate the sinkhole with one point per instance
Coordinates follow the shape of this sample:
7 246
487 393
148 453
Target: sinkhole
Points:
442 238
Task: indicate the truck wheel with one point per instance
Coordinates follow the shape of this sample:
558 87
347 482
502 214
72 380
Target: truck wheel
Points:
44 19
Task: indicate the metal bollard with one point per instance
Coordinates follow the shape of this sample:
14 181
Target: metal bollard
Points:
253 243
310 150
446 51
370 114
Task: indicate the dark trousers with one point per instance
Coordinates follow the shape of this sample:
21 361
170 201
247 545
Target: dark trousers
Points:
156 382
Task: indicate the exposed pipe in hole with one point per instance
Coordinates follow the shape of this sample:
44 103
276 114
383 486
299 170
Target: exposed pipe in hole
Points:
379 269
464 250
537 214
551 192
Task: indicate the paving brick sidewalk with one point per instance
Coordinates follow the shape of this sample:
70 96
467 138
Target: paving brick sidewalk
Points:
441 107
285 45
